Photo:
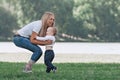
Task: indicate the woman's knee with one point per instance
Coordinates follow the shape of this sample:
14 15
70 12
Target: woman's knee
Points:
38 50
36 55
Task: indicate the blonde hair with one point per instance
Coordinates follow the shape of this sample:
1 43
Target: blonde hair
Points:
44 19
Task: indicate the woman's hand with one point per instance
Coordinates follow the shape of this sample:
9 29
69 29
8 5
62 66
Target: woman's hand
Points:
48 42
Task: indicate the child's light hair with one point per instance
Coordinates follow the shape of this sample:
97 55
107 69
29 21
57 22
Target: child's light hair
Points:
54 30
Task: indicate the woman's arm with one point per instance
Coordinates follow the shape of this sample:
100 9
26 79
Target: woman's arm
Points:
40 42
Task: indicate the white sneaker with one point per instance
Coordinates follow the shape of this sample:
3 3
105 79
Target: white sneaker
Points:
27 70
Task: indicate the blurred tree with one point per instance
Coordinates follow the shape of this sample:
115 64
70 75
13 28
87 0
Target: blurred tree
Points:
94 20
100 18
108 28
33 10
7 24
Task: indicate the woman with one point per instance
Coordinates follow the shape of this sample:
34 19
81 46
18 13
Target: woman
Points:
26 37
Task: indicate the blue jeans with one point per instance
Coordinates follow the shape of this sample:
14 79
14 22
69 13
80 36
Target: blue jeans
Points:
25 43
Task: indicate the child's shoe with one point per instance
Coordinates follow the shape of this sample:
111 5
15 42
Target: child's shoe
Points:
48 70
54 69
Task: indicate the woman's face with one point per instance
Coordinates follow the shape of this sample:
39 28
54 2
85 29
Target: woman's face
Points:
50 21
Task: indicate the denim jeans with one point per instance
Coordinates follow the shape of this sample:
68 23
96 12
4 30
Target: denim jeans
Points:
25 43
48 58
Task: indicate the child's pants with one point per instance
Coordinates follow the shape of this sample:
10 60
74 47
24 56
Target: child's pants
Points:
48 58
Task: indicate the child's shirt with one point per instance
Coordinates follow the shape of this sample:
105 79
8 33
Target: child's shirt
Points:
47 38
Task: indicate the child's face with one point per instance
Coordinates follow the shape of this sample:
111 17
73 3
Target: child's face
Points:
49 31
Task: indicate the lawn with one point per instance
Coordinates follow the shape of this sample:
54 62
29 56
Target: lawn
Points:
66 71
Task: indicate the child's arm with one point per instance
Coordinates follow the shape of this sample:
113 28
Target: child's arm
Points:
46 38
41 38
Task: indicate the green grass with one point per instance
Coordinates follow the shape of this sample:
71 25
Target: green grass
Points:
66 71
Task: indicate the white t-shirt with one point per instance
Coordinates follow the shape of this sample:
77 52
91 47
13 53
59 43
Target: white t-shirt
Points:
47 37
27 30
